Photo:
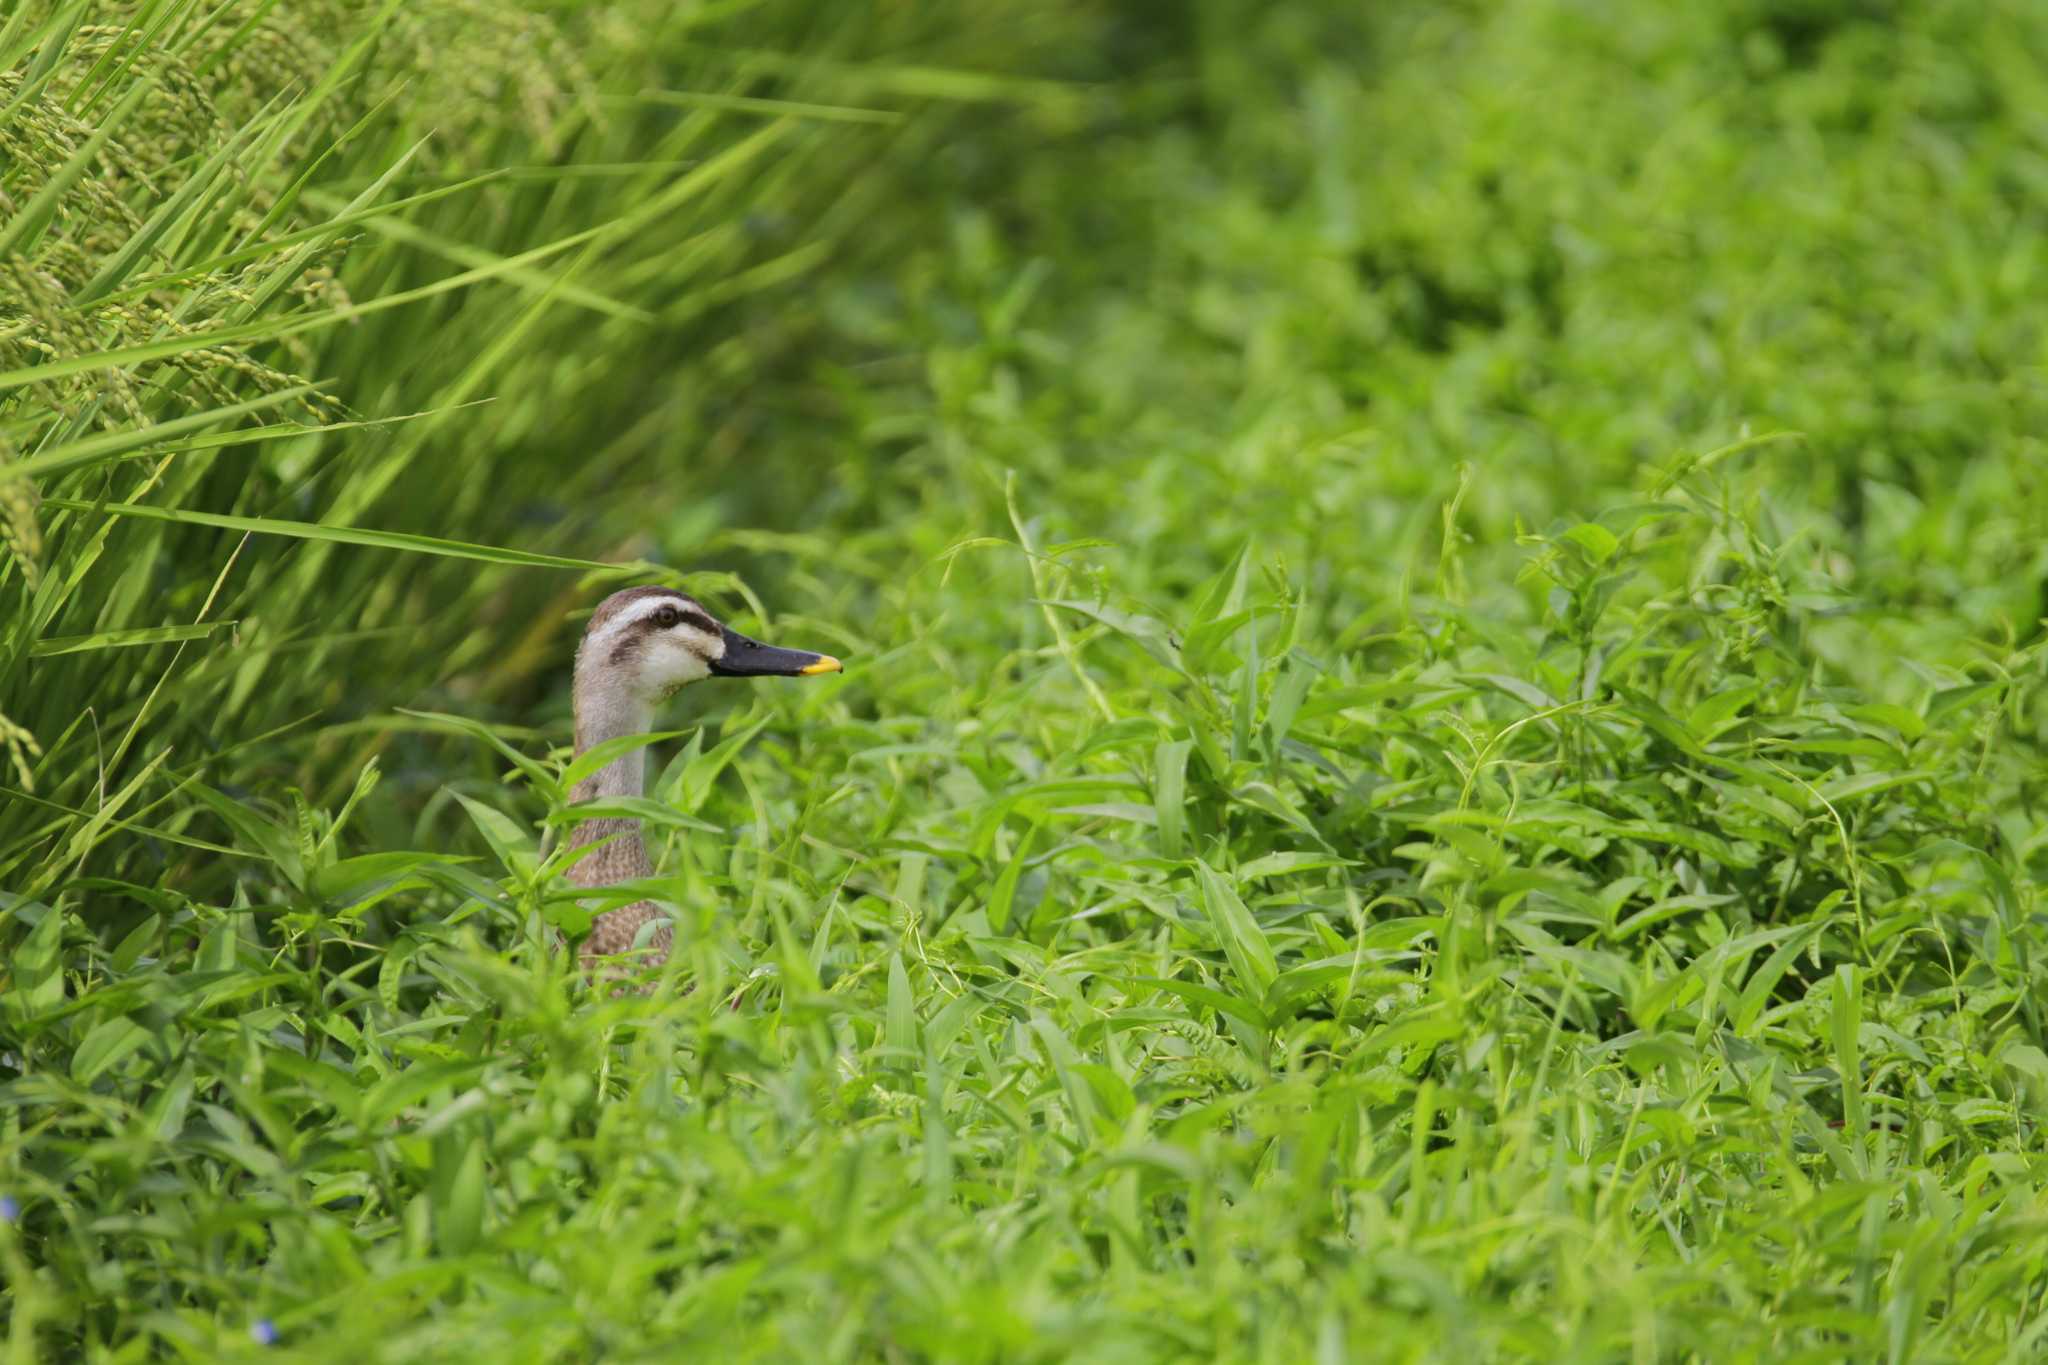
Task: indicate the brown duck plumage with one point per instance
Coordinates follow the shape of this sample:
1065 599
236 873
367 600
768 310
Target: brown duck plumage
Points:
639 647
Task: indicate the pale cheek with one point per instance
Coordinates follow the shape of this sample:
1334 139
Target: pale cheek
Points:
673 666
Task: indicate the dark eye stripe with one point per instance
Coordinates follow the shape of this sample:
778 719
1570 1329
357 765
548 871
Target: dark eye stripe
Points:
668 617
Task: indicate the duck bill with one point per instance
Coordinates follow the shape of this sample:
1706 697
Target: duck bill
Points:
745 658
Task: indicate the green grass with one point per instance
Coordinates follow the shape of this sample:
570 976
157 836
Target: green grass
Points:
1443 740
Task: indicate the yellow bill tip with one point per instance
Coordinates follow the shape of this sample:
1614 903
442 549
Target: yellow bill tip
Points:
826 664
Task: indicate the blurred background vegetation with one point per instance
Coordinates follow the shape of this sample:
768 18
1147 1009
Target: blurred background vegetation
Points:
1421 410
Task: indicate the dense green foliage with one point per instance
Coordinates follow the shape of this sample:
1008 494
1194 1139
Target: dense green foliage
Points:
1443 734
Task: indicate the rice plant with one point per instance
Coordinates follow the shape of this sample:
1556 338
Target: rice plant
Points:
1440 747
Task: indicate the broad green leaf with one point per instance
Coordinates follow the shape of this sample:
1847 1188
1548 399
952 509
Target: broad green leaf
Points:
1244 943
1065 1062
349 880
257 831
702 771
1285 702
459 1209
901 1031
1154 635
537 776
1757 990
508 840
1236 1006
1848 1010
104 1046
643 808
1004 894
603 752
1283 864
1522 691
37 984
1170 784
1949 700
1596 540
1859 785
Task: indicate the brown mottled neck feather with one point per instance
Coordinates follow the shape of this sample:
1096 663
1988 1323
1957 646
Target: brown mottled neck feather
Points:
622 858
606 708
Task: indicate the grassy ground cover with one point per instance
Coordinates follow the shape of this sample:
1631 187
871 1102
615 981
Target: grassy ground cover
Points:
1442 743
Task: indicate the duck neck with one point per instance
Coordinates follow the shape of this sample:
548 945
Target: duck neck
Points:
604 713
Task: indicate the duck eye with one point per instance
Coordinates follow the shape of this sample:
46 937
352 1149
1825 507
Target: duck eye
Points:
667 617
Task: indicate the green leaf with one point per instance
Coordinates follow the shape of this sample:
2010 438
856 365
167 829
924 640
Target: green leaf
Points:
901 1031
602 753
1169 794
1596 540
336 535
114 445
1898 719
2030 1064
1283 864
1246 704
1065 1063
1848 1013
1527 693
350 880
701 773
123 639
1112 1093
106 1044
1235 1006
459 1210
1796 939
643 808
258 831
1004 895
1223 595
1285 702
1715 710
508 840
1858 785
391 971
537 776
38 985
1203 649
1154 635
1244 943
1949 700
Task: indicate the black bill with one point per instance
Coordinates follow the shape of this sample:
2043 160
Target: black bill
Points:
744 658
